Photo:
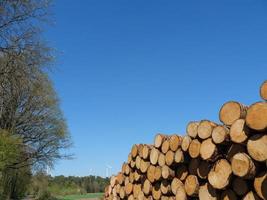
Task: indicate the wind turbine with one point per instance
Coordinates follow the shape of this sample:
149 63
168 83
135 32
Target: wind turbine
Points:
108 170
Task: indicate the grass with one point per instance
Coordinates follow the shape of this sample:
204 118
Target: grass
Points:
82 196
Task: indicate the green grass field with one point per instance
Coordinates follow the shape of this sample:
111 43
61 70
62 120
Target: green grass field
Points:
82 197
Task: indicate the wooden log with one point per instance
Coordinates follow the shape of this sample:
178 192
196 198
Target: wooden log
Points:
113 181
191 185
257 147
243 166
220 174
147 187
134 151
165 187
159 139
239 132
169 158
151 173
175 184
131 177
128 188
120 178
203 169
181 172
131 197
251 196
117 188
263 90
122 192
132 164
167 172
240 186
161 159
140 150
256 117
137 176
146 151
157 173
260 185
165 145
186 142
208 150
137 188
194 148
179 156
144 166
141 195
234 149
205 128
180 193
232 111
154 155
137 162
220 134
207 192
156 192
175 142
228 195
191 129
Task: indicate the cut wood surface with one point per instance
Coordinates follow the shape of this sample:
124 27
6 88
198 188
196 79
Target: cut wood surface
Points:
211 161
232 111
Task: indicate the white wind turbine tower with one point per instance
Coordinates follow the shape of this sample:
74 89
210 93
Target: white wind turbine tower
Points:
108 170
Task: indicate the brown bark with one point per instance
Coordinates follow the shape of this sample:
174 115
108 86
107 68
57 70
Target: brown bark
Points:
228 195
240 186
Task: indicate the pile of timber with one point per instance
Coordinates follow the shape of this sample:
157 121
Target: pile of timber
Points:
226 161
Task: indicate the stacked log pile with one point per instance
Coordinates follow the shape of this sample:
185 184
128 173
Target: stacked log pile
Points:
226 161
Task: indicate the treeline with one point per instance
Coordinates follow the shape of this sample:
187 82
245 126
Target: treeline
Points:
32 127
87 184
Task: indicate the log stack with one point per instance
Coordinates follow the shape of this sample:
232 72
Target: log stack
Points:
213 161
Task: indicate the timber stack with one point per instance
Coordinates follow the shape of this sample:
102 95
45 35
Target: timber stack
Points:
213 161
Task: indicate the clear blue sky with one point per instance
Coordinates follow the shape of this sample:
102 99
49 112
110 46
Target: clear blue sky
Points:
128 69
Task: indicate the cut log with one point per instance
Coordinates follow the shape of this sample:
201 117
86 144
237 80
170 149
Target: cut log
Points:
144 166
137 188
240 186
154 155
141 195
256 117
146 151
140 150
203 169
205 128
207 192
137 162
191 129
134 150
179 156
232 111
220 174
156 192
157 173
175 184
169 158
165 145
120 178
113 181
167 172
191 185
122 193
165 187
228 195
181 172
263 90
208 150
147 187
161 159
186 142
180 193
260 185
257 147
151 173
234 149
243 166
194 148
238 131
220 134
131 177
175 142
251 196
128 188
159 139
